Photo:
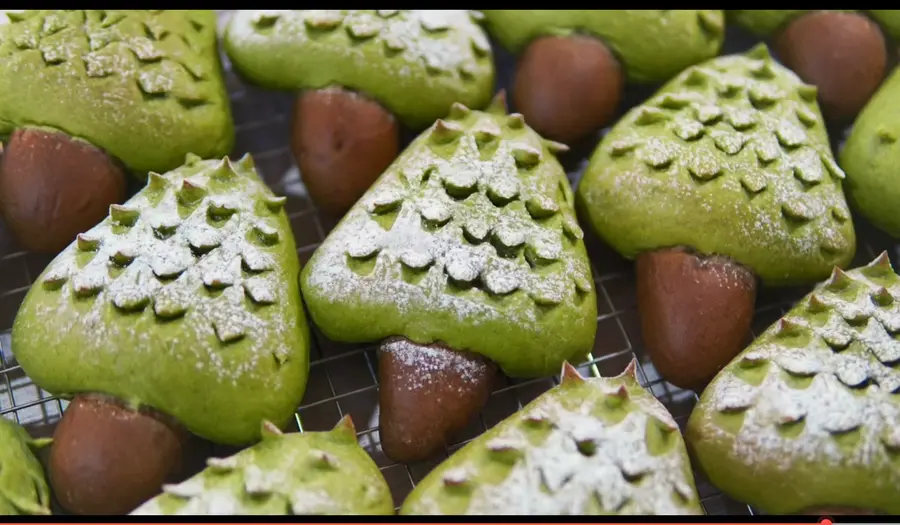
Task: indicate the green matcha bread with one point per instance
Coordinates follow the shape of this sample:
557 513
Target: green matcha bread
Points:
359 73
842 52
724 176
573 64
465 253
586 447
285 474
871 155
23 489
808 416
86 95
180 311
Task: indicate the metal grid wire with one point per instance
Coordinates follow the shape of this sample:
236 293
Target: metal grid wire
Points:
343 378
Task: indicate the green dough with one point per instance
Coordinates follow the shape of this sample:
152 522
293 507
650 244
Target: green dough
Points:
730 157
871 156
765 22
809 414
415 63
653 45
285 474
145 86
468 238
186 299
587 447
23 489
889 20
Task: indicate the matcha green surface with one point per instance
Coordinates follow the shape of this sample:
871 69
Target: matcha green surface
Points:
145 86
889 20
765 22
586 447
186 299
415 63
23 489
871 156
653 45
468 238
809 414
731 157
285 474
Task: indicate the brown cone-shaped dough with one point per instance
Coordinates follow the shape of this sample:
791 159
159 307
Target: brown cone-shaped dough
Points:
342 141
427 393
695 313
843 54
107 459
567 87
53 187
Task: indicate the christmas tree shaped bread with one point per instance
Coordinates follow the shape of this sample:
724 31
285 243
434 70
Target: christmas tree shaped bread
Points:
573 64
360 75
808 416
179 312
286 474
842 52
871 155
86 95
724 176
464 254
23 489
588 446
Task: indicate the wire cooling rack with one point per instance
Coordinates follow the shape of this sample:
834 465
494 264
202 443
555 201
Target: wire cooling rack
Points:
343 378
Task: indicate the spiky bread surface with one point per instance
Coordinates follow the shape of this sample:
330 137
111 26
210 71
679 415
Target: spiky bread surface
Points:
766 22
468 238
416 63
23 488
731 157
588 446
871 155
285 474
145 86
184 299
680 37
809 414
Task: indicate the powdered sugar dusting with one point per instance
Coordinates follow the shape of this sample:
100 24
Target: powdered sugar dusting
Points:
750 184
190 271
452 242
428 361
276 477
565 458
833 372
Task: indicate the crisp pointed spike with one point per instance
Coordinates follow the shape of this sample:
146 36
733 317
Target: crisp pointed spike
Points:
838 280
880 267
569 374
156 181
224 170
270 430
788 328
498 104
882 297
190 192
246 162
815 304
444 132
621 392
515 121
760 51
275 204
345 427
122 214
86 243
191 159
459 111
556 148
630 370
